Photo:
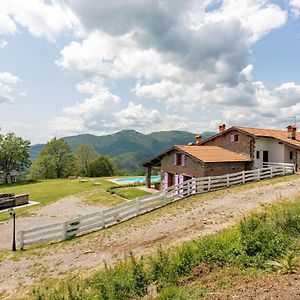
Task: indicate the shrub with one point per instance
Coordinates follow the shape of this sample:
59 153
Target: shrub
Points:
161 269
262 239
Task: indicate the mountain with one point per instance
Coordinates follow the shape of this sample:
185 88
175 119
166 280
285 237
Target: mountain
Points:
129 148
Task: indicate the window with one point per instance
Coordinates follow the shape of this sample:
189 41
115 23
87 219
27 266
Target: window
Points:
234 138
291 154
257 154
178 159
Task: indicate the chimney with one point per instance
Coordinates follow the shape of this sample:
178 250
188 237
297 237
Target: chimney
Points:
198 139
292 129
222 128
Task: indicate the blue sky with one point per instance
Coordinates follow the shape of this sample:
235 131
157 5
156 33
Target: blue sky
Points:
71 67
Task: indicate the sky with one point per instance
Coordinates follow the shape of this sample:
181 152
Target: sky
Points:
100 66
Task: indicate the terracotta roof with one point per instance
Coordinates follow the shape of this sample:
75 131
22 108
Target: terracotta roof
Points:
282 135
213 154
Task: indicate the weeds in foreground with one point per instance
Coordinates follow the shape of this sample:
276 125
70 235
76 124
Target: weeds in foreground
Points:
262 237
287 265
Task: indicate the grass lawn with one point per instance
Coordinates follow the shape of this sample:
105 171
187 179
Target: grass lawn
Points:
48 191
129 192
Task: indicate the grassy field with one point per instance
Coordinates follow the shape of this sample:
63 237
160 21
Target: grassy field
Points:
264 242
48 191
130 192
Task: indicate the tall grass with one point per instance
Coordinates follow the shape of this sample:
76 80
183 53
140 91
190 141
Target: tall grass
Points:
257 239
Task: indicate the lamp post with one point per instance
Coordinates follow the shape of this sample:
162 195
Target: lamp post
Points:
13 214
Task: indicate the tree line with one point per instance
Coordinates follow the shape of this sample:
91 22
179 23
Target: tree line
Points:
56 160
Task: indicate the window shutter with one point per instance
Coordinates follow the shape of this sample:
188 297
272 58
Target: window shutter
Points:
175 159
180 179
183 160
232 138
166 180
176 179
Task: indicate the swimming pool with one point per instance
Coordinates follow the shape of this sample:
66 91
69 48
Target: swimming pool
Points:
137 179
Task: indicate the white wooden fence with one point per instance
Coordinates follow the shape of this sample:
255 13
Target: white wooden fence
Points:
138 206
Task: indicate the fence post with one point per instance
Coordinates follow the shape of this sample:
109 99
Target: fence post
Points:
283 170
102 219
64 230
165 198
209 180
189 188
243 176
227 180
137 203
22 240
271 172
258 174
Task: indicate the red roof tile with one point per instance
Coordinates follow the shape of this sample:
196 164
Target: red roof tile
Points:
213 154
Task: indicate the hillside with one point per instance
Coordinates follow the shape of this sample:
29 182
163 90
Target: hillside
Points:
129 148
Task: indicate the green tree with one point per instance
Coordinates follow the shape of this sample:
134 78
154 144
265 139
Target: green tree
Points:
55 160
100 167
84 155
14 154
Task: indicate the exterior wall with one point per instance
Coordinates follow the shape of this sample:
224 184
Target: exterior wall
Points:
275 148
192 167
278 152
214 169
287 150
243 146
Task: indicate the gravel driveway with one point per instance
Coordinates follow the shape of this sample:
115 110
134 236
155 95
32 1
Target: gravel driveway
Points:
59 211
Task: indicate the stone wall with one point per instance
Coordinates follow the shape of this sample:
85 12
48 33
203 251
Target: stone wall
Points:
215 169
192 167
243 146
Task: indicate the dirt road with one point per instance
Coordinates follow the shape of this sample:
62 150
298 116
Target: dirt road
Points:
182 221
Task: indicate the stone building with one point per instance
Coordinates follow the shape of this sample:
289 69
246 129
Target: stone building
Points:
231 150
181 163
261 145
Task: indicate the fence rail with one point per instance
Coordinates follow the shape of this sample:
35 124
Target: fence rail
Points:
141 205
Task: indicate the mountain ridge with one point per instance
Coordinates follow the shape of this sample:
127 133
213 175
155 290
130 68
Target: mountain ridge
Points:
128 148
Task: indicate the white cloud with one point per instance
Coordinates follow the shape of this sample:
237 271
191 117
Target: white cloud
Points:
295 7
7 25
3 44
103 112
114 57
91 114
7 81
41 19
259 16
190 59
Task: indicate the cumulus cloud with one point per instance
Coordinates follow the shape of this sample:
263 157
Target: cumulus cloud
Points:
103 112
192 57
295 7
3 44
41 19
93 113
7 81
7 25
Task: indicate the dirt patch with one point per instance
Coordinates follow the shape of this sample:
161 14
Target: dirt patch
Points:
142 235
267 288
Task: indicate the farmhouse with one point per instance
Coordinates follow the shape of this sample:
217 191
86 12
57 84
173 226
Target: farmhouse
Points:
231 150
261 145
181 163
